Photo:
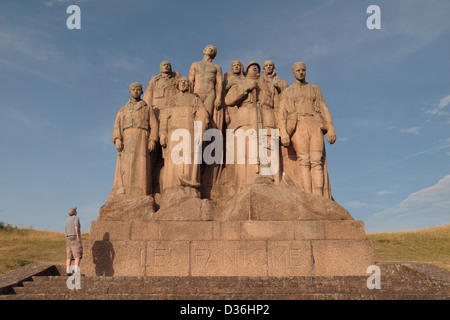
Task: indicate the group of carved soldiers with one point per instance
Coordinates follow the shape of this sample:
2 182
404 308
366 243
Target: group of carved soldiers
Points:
242 99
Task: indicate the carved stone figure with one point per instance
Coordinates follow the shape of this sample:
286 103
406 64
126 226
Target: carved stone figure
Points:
160 89
253 103
270 74
206 79
304 119
236 74
181 112
135 136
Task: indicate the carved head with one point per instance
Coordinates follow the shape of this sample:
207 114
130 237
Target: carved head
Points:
165 67
210 50
299 71
269 67
136 90
253 69
237 67
183 84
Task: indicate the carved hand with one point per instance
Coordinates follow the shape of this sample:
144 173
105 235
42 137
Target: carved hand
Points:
285 140
163 140
151 145
119 145
218 103
331 136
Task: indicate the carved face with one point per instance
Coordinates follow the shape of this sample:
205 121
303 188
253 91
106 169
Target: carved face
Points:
299 71
136 91
211 51
269 67
236 67
253 70
165 67
183 84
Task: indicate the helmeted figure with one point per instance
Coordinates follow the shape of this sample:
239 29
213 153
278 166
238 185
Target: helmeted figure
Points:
304 119
252 103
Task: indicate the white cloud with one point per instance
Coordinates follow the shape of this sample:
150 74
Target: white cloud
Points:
355 204
384 192
414 130
438 109
434 199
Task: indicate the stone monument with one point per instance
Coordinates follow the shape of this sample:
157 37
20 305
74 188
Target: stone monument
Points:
277 218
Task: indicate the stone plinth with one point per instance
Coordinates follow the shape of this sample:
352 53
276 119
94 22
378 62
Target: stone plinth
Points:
234 248
263 231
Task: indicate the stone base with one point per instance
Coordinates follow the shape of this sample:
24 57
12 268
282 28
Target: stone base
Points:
265 230
233 248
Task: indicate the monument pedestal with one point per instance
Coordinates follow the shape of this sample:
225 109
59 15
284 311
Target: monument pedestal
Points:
240 240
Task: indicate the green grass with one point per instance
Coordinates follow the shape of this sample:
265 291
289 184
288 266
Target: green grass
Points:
19 247
430 245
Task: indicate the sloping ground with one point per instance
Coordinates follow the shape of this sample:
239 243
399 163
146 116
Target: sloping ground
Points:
399 281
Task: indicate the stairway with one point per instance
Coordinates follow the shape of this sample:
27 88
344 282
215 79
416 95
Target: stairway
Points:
398 282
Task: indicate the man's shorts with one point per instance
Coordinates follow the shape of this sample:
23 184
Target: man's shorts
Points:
73 248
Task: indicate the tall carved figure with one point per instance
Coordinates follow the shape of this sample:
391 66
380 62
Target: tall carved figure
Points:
304 119
135 136
160 89
253 103
179 137
206 81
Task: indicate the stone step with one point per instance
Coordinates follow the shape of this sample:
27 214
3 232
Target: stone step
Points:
256 297
218 285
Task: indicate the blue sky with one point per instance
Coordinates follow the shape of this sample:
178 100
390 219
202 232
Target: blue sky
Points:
388 92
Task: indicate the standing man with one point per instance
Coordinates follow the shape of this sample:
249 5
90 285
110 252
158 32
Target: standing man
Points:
303 121
182 111
135 136
206 80
74 249
160 89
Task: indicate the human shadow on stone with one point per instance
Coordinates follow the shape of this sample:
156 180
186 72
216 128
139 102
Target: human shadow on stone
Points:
103 256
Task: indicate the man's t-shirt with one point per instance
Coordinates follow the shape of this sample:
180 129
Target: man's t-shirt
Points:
71 222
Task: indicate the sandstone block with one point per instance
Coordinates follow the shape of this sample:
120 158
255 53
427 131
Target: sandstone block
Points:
144 230
228 258
344 229
111 230
167 258
342 257
289 258
186 230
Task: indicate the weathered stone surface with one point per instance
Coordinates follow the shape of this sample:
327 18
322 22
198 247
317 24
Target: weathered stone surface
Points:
342 257
284 203
128 209
289 258
167 258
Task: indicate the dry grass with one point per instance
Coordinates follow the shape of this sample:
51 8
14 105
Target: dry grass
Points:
19 247
428 245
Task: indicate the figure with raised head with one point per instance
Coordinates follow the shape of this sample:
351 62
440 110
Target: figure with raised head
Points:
304 119
181 138
206 79
270 74
135 136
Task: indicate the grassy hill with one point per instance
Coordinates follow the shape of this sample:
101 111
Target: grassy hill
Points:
19 247
430 245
